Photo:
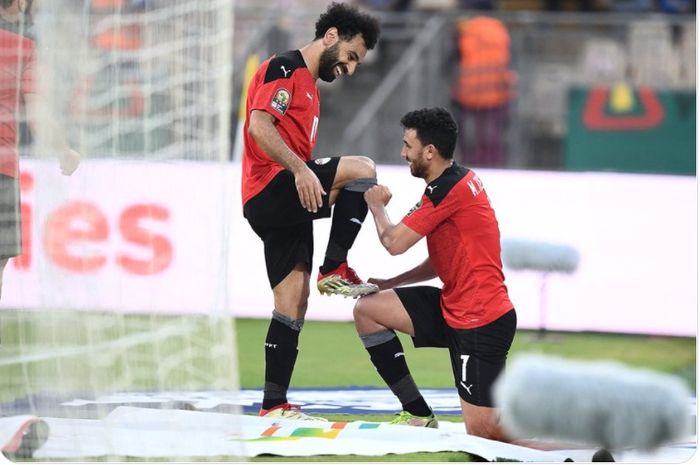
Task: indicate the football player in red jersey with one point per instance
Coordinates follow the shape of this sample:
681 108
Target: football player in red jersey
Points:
471 314
284 189
18 70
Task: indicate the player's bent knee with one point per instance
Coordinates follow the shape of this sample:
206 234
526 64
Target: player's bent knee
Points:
357 166
483 428
369 168
475 428
367 161
362 310
358 310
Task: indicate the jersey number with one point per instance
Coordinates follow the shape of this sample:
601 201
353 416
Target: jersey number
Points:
314 128
465 359
463 382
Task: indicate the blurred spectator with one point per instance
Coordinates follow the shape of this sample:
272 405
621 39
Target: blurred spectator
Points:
18 88
483 90
120 5
629 6
582 5
676 6
118 36
648 6
477 5
386 5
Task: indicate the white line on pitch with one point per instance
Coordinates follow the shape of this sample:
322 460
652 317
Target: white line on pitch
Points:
128 341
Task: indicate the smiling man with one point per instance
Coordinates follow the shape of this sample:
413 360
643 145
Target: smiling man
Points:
284 189
471 315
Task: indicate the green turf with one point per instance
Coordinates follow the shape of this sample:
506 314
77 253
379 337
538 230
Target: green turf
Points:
197 353
330 354
74 352
332 351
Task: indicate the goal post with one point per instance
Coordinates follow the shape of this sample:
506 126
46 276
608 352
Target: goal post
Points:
122 287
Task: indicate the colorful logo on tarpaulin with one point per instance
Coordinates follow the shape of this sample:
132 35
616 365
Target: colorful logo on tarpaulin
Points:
621 108
278 433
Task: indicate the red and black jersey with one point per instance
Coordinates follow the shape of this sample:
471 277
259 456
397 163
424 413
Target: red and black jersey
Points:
283 87
464 247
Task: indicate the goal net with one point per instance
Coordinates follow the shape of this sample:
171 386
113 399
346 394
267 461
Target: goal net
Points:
119 297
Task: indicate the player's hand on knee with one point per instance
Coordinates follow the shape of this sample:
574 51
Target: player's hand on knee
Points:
309 189
382 284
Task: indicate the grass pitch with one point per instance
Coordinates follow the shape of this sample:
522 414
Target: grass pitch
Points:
63 352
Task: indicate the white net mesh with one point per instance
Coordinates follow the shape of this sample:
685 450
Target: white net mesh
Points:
149 81
121 290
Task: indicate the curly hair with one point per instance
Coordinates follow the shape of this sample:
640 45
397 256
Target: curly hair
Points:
433 126
349 21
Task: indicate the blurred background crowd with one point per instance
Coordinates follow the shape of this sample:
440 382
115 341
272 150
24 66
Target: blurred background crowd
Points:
535 84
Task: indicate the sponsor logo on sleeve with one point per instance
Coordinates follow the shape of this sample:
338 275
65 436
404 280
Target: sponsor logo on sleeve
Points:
280 101
415 207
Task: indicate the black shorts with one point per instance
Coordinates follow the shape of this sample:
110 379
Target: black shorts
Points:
285 227
10 222
478 355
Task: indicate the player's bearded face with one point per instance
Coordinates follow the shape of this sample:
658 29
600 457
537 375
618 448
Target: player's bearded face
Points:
330 58
412 152
418 165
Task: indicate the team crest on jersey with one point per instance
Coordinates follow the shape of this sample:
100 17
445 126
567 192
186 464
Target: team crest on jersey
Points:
280 101
322 161
415 207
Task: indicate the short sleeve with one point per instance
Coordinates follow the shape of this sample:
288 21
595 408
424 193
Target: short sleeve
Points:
276 91
274 97
424 217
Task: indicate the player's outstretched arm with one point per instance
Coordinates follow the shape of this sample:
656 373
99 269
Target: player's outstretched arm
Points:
262 129
420 273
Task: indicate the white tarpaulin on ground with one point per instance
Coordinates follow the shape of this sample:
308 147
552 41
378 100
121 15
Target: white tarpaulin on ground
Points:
149 433
139 432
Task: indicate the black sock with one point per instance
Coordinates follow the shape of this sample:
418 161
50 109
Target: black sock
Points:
390 362
280 356
418 407
349 212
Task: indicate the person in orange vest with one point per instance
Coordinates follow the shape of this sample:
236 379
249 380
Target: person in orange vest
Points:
483 89
123 36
